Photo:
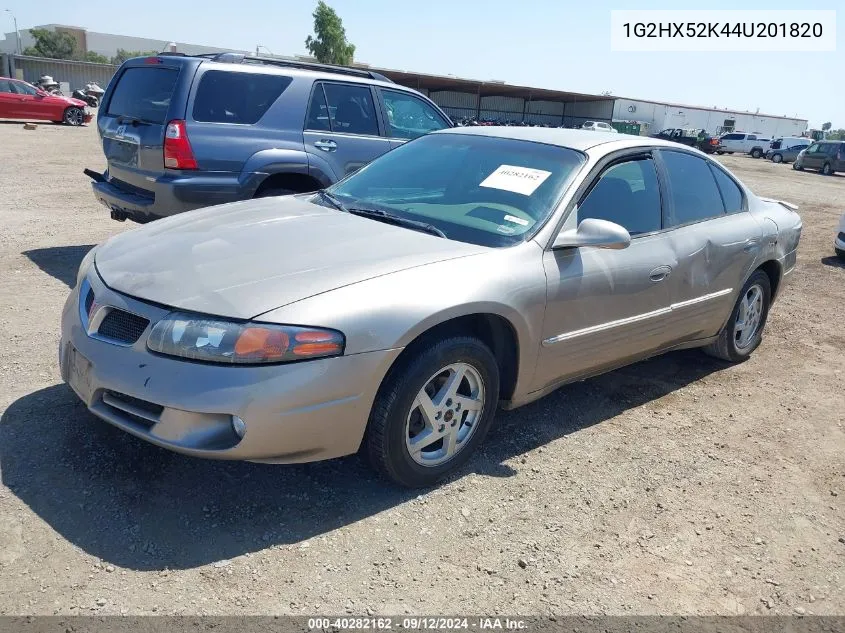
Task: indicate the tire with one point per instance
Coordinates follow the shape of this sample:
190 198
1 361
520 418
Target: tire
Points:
269 192
827 170
756 153
777 158
797 167
74 116
840 253
719 152
397 418
736 345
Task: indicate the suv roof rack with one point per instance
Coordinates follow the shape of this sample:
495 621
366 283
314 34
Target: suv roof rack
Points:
240 58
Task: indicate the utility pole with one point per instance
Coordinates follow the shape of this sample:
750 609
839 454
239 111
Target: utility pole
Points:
17 33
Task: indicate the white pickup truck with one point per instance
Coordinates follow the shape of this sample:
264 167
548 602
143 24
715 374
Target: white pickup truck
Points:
743 143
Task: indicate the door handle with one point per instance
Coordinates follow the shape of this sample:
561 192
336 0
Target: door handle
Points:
326 146
660 273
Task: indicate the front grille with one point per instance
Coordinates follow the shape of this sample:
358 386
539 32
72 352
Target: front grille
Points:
123 327
135 409
89 301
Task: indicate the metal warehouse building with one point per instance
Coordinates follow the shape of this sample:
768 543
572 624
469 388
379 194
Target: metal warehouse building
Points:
501 102
658 115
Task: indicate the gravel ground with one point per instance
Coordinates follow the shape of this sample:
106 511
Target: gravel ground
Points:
678 485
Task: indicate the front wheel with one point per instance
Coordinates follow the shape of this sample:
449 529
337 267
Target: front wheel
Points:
756 153
744 330
777 158
74 116
432 411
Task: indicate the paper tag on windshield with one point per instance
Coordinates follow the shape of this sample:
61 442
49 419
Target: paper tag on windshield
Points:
522 180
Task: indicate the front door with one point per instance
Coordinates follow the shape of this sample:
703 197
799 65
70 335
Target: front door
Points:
609 307
814 156
8 100
343 128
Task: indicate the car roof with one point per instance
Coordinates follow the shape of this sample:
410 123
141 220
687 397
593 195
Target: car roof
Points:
580 140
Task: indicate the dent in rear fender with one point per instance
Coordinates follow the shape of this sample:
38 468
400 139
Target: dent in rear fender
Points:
390 311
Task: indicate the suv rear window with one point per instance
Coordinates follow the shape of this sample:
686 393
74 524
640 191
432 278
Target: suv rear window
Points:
144 93
236 97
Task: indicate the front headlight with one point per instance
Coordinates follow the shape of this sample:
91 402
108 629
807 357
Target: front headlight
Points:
85 265
218 341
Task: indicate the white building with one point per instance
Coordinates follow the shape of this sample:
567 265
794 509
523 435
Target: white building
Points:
660 116
104 43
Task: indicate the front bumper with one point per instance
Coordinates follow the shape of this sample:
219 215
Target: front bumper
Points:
297 412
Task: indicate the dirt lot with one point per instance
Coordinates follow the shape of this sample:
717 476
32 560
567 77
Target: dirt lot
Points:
679 485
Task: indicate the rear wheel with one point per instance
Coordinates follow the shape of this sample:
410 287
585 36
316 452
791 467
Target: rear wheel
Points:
74 116
756 153
827 170
432 411
744 330
777 158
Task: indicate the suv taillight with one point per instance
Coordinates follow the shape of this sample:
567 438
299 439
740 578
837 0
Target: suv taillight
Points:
177 148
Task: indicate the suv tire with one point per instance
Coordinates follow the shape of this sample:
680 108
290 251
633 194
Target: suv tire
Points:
827 170
756 152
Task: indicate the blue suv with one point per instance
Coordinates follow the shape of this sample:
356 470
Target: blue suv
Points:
181 132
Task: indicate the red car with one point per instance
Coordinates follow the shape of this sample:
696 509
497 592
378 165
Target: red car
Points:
20 100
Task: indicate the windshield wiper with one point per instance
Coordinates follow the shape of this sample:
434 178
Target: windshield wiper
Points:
381 215
333 200
389 218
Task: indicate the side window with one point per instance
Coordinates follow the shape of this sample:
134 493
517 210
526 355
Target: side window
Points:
236 97
813 148
318 111
751 137
5 85
733 137
731 193
23 89
692 188
351 109
626 193
408 116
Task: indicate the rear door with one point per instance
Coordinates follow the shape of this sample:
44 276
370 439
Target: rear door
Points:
715 240
407 116
141 100
343 127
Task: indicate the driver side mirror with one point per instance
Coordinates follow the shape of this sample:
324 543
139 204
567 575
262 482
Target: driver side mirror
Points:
594 232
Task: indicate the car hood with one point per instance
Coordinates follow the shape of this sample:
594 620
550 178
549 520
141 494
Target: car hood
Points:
240 260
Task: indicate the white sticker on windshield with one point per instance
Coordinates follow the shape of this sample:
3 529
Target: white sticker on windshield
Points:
516 220
524 180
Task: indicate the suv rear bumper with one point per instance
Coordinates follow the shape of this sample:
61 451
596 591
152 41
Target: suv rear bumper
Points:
169 195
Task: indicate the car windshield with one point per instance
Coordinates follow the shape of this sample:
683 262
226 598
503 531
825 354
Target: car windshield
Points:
479 189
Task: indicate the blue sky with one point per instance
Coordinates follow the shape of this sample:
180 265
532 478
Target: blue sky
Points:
544 43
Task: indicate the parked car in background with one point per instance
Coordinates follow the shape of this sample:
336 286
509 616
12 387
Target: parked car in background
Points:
586 252
786 149
839 242
743 143
692 137
598 126
20 100
827 157
181 132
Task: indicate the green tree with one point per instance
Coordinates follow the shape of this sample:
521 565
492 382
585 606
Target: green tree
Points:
91 56
329 43
52 44
123 55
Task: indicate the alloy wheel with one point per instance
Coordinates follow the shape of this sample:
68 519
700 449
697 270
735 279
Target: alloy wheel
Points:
749 317
444 414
